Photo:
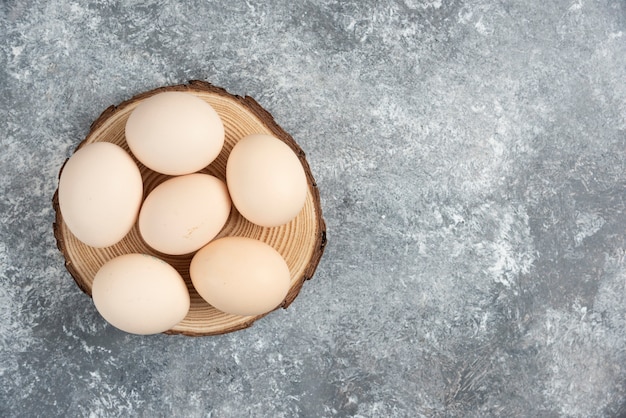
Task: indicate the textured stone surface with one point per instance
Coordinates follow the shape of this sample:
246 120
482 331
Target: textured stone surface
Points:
471 158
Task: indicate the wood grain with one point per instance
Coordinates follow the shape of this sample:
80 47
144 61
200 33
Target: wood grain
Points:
301 242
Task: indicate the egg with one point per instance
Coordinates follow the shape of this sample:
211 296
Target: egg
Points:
184 213
240 275
100 193
175 133
266 180
140 294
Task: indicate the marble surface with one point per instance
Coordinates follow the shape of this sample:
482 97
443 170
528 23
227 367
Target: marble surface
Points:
471 158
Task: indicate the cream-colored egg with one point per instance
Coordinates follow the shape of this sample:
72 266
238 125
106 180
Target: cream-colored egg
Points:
100 192
140 294
240 276
175 133
266 180
184 213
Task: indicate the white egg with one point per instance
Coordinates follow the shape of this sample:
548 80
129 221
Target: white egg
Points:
100 192
175 133
266 180
184 213
240 276
140 294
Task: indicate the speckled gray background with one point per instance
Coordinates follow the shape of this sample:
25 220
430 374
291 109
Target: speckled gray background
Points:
471 157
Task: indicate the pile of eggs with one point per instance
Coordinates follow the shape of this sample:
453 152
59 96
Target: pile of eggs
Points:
101 198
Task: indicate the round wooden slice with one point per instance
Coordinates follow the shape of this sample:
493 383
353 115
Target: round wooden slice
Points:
301 242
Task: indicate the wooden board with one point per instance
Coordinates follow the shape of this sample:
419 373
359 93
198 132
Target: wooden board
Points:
301 242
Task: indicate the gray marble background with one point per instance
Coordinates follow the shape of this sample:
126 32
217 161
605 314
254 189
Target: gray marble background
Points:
471 157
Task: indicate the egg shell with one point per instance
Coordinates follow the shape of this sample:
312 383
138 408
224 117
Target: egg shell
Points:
100 192
266 180
175 133
184 213
140 294
240 276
